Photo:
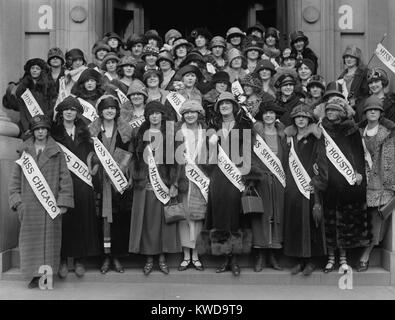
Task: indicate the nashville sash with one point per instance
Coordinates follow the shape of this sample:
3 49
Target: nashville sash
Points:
301 177
137 122
176 100
38 184
269 159
161 191
121 96
230 170
110 166
89 110
76 166
31 104
339 161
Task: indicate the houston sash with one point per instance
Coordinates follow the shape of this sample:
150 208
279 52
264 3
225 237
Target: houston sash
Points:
89 110
176 100
38 184
336 156
110 166
161 191
137 122
121 96
31 103
230 170
269 159
76 166
300 175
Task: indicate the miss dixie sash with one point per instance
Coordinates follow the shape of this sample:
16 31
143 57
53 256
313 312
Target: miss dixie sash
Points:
300 175
230 170
76 166
121 96
31 104
38 184
336 156
269 159
137 122
110 166
89 110
176 100
161 191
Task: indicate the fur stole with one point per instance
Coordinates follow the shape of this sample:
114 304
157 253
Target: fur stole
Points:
123 128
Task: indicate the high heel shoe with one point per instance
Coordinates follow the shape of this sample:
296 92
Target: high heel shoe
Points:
149 265
164 267
198 265
330 266
118 266
224 267
363 266
184 265
258 267
105 266
274 263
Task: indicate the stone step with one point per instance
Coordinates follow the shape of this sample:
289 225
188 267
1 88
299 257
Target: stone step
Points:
375 276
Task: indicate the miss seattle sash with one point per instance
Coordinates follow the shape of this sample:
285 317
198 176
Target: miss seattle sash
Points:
176 100
336 156
161 191
230 170
38 184
301 177
31 104
89 110
110 166
76 166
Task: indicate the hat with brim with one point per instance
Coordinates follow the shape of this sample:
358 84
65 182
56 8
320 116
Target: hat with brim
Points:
39 121
265 64
112 35
107 101
193 56
284 80
302 110
151 72
317 81
149 51
235 53
234 32
127 61
226 96
257 27
165 55
266 106
221 76
101 46
108 57
189 69
70 103
35 62
191 106
153 107
137 87
333 89
181 42
88 74
373 103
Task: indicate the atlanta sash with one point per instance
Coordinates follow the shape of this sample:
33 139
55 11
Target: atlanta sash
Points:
31 104
301 177
336 156
137 122
230 170
110 166
195 175
269 159
38 184
176 100
76 166
121 96
161 191
89 110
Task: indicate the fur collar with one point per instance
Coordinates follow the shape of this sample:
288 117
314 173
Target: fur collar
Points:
271 52
123 128
259 128
50 150
312 129
386 129
82 133
344 128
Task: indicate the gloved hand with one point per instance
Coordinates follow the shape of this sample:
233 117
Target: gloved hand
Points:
359 178
317 214
173 191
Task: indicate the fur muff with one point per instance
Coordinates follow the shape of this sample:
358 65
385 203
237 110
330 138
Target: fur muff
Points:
221 242
237 242
247 241
203 246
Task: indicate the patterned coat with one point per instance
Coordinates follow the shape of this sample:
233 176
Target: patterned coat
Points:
40 236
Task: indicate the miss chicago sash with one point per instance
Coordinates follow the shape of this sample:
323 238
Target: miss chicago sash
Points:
76 166
31 103
161 191
301 177
336 156
89 110
38 184
110 166
230 170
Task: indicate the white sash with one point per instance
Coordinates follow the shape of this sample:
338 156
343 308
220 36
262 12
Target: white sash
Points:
301 177
238 92
336 156
109 76
161 191
344 87
269 159
368 156
121 96
89 110
110 166
137 122
38 184
176 100
210 68
76 166
31 104
230 170
62 94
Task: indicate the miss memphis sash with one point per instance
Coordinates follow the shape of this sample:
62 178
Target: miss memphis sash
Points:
336 156
76 166
176 100
110 166
89 110
230 170
31 104
301 177
38 184
161 191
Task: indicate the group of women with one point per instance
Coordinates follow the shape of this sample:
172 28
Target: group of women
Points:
260 171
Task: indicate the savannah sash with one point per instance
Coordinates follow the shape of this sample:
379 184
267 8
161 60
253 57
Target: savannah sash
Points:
89 110
110 166
76 166
31 104
38 184
339 161
161 191
300 175
176 100
230 170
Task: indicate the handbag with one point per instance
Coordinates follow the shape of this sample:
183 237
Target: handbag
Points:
174 211
387 209
251 202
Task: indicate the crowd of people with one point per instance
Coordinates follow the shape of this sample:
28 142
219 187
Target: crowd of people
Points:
96 176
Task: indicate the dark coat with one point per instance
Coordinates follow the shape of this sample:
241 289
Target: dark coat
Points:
359 87
307 53
388 106
80 234
40 236
291 103
302 238
57 80
345 205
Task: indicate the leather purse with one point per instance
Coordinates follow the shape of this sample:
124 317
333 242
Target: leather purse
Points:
174 211
251 201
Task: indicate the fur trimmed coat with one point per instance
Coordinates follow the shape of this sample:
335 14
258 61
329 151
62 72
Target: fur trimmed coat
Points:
359 88
40 236
291 103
